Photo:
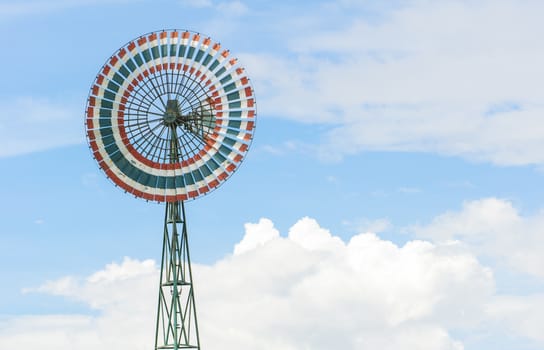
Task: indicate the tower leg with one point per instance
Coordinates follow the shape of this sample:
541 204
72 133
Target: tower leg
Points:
176 314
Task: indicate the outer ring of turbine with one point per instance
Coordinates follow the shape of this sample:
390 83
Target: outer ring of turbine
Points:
212 137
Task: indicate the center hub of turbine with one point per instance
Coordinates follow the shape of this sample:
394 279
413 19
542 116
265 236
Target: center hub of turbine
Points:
172 112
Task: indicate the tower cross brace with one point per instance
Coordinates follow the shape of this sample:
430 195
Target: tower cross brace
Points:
177 326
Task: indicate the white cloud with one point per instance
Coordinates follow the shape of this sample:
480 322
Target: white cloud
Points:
29 124
124 296
315 292
309 290
521 315
493 227
484 216
96 290
256 235
308 234
448 77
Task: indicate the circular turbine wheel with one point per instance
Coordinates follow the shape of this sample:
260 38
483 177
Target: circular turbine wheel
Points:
170 116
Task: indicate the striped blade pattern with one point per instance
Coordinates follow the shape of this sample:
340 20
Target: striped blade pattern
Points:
170 116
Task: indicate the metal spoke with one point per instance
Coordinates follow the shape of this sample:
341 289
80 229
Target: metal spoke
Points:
143 103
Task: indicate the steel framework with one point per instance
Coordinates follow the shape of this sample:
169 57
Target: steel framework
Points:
177 326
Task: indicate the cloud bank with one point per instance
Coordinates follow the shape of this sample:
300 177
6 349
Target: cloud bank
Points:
454 78
307 290
493 227
450 77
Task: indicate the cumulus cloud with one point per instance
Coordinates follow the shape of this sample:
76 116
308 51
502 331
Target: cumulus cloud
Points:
308 290
123 295
493 227
33 124
521 315
447 77
308 234
256 235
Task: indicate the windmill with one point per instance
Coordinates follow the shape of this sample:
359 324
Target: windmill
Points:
169 118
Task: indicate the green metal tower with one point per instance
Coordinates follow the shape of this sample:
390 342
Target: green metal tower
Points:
177 326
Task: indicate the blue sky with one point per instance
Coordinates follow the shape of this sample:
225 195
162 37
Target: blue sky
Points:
392 194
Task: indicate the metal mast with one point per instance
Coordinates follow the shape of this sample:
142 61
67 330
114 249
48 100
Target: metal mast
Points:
177 326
